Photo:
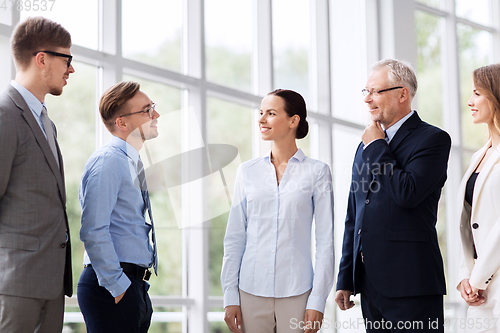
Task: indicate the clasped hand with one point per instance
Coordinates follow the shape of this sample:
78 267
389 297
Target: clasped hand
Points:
472 295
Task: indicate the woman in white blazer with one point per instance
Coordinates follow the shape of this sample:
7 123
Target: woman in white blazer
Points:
479 204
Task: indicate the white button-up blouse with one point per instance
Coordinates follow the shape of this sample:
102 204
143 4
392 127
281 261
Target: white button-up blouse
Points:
267 247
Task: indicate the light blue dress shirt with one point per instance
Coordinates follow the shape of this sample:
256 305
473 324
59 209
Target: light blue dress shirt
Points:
267 247
391 131
114 227
33 103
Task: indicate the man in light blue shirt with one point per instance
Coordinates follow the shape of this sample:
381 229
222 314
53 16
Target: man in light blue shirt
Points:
117 218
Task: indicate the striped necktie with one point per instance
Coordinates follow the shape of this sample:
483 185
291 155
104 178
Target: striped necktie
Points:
141 177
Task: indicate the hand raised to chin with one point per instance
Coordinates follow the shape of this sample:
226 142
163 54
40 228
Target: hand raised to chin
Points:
372 132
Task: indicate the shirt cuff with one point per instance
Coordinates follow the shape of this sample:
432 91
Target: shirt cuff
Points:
120 286
231 297
316 303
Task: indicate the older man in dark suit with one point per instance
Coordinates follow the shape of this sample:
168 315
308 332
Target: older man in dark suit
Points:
390 253
35 256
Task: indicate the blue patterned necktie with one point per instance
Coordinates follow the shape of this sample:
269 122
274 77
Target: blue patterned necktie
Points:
386 137
141 177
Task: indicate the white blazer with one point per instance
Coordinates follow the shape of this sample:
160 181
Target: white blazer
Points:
480 224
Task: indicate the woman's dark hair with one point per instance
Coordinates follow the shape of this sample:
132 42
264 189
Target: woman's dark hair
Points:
294 105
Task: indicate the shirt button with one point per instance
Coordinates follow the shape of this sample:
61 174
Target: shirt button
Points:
367 201
359 232
475 225
63 245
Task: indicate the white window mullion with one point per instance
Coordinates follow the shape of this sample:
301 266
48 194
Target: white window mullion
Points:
262 64
452 124
195 238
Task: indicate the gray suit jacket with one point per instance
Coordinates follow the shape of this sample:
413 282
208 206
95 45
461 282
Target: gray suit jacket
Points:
35 259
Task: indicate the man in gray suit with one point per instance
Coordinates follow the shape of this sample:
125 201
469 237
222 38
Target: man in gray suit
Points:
35 255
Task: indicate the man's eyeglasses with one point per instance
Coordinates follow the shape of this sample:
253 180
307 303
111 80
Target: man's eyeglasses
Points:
151 110
57 54
367 92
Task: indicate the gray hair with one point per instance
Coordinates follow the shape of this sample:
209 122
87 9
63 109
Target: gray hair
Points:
400 73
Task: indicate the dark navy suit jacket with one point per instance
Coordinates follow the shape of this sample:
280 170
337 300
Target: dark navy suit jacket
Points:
392 213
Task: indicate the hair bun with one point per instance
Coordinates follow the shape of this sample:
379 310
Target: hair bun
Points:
302 129
294 105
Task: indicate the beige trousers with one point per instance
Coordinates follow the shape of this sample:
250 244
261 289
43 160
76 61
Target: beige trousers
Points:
269 314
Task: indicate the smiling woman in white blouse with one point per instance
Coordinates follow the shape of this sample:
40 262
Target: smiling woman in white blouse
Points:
479 204
267 273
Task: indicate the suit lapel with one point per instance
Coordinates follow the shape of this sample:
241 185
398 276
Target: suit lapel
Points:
404 130
473 165
40 138
402 133
490 163
62 187
362 172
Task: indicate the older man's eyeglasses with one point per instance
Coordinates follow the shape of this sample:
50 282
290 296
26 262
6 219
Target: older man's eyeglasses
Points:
373 92
150 111
57 54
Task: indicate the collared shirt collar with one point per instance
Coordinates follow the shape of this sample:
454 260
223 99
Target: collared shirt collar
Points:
126 147
391 131
30 99
299 155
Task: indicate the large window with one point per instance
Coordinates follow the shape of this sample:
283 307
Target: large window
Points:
475 47
80 18
152 32
75 117
291 45
430 94
429 69
229 43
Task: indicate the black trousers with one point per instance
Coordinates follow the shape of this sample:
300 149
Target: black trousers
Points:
404 314
131 315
